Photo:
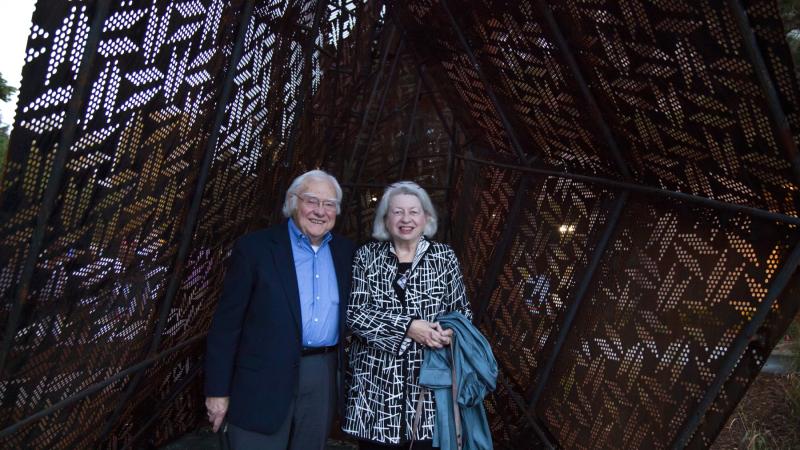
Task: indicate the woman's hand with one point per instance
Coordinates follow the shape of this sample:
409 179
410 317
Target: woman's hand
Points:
446 332
429 334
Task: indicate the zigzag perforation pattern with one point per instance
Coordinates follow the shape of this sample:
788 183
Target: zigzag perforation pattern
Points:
547 258
663 274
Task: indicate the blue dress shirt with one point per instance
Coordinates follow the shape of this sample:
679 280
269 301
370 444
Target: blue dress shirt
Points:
319 291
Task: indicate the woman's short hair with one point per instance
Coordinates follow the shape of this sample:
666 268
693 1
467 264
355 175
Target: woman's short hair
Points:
290 202
379 230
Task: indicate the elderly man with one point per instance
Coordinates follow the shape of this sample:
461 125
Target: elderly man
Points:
273 345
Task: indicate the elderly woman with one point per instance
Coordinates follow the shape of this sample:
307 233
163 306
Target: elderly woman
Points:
401 283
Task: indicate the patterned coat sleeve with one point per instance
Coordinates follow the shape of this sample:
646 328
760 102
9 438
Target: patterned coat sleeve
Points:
457 294
366 318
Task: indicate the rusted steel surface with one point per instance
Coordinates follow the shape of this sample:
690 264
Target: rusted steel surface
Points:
634 323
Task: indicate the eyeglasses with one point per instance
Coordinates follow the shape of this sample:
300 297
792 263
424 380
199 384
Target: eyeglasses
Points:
313 202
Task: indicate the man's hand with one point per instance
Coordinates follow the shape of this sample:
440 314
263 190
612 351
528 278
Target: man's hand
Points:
217 407
429 334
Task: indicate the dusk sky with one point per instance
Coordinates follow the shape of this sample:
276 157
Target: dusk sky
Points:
15 21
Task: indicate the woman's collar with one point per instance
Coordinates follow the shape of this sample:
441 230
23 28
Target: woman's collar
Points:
422 245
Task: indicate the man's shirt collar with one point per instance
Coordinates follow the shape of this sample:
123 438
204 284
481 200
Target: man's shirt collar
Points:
298 236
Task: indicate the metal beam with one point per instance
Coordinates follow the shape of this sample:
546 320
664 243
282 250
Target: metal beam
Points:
324 50
423 73
452 148
512 135
740 344
344 112
611 143
583 87
332 110
410 128
305 84
426 84
365 113
465 203
633 187
779 122
545 371
381 105
303 92
96 387
187 231
364 154
193 372
68 132
501 248
530 419
737 349
352 171
493 272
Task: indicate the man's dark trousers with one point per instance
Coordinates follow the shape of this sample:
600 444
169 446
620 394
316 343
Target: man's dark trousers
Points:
310 416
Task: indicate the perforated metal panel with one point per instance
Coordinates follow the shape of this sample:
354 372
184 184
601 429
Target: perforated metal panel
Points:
619 180
672 293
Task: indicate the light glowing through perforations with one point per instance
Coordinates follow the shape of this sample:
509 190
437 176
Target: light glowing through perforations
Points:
666 303
122 20
341 15
61 43
51 97
44 123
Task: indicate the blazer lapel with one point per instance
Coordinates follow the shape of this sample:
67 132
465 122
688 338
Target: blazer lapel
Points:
284 264
341 263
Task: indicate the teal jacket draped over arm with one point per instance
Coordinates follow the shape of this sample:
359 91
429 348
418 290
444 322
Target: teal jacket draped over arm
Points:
476 375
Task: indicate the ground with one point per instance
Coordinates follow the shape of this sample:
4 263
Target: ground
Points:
206 440
768 417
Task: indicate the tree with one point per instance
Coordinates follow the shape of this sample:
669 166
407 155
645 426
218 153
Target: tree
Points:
6 92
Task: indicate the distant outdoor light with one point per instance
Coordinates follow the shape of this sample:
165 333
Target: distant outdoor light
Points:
566 229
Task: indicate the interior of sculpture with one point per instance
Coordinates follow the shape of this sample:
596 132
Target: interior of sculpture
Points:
619 179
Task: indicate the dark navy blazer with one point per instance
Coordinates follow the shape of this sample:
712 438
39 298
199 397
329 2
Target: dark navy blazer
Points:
255 339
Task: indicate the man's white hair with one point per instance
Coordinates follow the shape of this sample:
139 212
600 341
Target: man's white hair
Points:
295 189
379 230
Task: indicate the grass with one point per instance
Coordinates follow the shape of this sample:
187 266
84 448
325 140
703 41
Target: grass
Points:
793 387
756 436
793 334
790 14
793 397
769 414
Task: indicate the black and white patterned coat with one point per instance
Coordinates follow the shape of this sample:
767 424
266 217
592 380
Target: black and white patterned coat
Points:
383 375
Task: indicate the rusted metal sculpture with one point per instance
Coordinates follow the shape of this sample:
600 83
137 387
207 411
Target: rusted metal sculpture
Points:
620 181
